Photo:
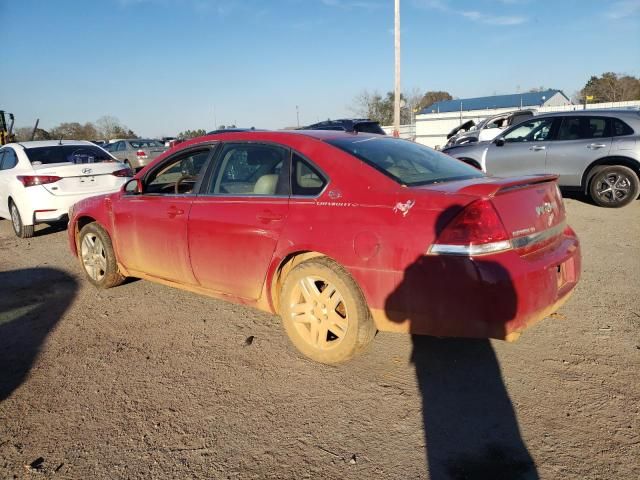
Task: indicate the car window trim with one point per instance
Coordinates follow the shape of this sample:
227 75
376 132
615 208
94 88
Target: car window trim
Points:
214 168
211 146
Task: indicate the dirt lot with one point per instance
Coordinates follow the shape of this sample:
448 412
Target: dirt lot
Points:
143 381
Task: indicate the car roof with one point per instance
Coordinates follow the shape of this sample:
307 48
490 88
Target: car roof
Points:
53 143
275 135
605 112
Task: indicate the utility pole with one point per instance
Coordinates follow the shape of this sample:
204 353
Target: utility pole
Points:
396 103
298 116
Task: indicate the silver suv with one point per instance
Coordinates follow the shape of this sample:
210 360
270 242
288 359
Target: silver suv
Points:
594 151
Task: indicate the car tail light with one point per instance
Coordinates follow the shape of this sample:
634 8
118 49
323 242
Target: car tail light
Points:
125 172
32 180
476 230
141 154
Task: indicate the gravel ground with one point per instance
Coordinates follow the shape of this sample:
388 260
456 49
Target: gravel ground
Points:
144 381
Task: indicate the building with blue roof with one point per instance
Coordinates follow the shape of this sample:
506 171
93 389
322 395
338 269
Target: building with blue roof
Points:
547 98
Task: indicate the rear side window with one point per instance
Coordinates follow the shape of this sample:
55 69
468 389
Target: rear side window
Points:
306 180
67 154
368 127
145 143
406 162
577 128
620 128
251 169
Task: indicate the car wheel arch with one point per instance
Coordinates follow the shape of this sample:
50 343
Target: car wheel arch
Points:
282 267
80 223
592 169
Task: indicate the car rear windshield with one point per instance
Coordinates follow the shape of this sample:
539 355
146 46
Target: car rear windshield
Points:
406 162
145 143
368 127
68 154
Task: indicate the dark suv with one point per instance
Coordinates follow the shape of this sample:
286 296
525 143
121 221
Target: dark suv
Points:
363 125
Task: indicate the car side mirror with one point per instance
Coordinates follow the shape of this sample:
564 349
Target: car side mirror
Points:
499 142
132 187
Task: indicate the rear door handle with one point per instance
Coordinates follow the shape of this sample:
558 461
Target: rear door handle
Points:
174 212
268 216
595 146
537 148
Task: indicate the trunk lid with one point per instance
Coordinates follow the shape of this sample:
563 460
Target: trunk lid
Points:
81 178
530 207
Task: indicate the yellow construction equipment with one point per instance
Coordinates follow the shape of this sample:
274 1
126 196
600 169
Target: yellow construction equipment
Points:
6 132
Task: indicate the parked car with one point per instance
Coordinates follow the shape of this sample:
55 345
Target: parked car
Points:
136 152
487 129
340 234
363 125
40 180
593 151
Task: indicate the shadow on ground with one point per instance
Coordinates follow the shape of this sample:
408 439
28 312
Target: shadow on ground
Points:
471 430
32 301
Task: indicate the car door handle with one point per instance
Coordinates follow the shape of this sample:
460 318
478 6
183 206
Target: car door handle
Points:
595 146
174 212
537 148
268 216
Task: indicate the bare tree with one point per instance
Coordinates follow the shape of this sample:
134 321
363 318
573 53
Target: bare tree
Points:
612 87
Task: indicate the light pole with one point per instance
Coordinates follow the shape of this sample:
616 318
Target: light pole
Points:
396 103
298 116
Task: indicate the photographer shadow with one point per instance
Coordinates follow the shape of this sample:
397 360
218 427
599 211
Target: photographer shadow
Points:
471 430
32 301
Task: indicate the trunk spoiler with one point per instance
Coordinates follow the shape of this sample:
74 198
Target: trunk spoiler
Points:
499 185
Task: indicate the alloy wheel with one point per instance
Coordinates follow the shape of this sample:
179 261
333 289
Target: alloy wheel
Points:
613 188
94 258
15 217
318 312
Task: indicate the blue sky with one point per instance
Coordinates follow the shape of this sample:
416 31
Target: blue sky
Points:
163 66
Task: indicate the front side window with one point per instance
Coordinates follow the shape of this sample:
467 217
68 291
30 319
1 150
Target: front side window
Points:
120 147
406 162
251 169
531 131
578 128
180 175
67 154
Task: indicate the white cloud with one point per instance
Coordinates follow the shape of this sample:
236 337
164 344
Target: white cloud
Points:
352 4
623 9
474 15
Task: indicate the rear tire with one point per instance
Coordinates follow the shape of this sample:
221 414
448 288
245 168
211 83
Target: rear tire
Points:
324 312
20 229
97 257
614 186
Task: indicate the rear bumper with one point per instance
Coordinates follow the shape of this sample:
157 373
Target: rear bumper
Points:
44 207
496 296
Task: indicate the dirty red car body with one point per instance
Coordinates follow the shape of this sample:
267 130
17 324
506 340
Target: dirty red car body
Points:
385 234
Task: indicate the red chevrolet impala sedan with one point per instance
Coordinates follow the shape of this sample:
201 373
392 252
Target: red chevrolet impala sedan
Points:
341 234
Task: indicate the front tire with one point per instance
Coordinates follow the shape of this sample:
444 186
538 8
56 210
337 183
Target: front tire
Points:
324 312
614 186
97 257
20 229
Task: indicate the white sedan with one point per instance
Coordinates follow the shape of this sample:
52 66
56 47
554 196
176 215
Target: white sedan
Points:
40 180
